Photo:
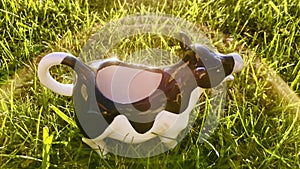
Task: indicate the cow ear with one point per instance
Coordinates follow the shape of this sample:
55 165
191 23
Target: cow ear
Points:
185 41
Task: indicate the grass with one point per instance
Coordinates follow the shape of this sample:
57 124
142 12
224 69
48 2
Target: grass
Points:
260 128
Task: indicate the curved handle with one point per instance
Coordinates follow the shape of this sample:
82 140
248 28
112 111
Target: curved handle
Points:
55 58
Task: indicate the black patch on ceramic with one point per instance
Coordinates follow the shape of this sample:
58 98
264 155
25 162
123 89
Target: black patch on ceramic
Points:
69 61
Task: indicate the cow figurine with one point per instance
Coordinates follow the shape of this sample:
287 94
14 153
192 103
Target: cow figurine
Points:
135 103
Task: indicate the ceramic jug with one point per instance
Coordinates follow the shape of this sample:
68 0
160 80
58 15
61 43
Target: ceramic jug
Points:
133 103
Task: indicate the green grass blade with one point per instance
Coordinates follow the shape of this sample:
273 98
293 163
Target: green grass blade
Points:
63 116
47 142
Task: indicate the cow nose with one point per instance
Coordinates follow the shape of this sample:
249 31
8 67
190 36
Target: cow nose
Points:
238 62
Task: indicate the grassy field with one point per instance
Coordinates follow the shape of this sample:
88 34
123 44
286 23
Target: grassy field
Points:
261 126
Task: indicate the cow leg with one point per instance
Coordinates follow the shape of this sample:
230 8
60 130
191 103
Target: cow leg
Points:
169 142
100 147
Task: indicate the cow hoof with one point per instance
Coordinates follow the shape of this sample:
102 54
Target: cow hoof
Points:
100 147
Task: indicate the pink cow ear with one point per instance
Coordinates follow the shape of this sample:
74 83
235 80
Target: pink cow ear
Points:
185 41
126 84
